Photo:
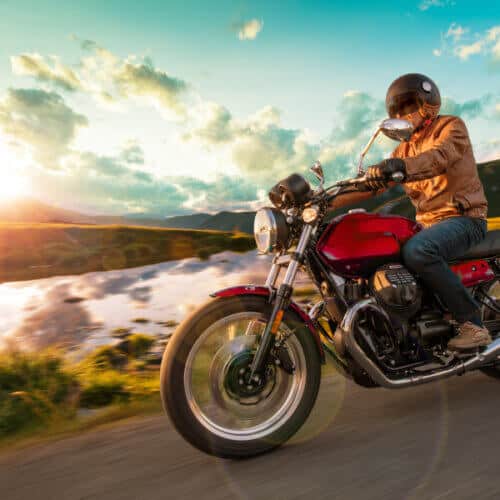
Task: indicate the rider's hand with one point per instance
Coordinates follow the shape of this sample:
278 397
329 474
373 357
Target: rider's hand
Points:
383 172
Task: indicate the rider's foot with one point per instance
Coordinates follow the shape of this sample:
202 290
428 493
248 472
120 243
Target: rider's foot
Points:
469 336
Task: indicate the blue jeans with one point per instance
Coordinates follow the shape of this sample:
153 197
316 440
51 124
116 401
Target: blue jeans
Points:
427 255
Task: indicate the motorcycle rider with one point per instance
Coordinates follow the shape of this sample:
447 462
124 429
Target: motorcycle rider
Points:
441 180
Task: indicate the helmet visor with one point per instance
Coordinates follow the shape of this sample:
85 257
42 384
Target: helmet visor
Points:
403 104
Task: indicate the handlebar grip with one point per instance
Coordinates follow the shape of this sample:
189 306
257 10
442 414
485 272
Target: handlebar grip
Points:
398 177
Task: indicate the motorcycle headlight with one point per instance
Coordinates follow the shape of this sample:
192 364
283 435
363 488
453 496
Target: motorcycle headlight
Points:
270 230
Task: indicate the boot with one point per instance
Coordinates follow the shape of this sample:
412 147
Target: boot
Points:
469 336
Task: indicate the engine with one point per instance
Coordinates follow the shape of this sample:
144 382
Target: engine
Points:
396 290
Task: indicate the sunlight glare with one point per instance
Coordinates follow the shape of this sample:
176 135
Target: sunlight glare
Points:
13 184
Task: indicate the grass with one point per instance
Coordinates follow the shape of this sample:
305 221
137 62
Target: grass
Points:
31 251
41 393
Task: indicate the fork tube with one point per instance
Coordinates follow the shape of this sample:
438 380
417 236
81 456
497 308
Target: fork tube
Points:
282 299
273 274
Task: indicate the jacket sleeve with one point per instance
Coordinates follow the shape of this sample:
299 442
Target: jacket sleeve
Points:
449 146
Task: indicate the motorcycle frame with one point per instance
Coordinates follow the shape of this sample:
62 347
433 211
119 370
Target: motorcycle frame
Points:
305 254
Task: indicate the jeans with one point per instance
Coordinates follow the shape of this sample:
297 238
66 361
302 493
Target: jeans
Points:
427 255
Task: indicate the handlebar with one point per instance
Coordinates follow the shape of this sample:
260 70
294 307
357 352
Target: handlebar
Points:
396 177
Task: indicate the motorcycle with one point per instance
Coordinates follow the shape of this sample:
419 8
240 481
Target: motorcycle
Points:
241 374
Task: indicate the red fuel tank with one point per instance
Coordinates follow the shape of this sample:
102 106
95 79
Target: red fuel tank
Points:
355 244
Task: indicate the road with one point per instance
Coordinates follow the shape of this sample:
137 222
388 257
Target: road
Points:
439 441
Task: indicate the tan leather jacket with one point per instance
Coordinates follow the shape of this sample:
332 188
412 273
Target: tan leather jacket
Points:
442 173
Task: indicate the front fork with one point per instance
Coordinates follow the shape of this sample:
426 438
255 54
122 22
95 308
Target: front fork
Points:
281 302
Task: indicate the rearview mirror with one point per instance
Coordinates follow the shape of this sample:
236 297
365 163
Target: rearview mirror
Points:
317 170
399 130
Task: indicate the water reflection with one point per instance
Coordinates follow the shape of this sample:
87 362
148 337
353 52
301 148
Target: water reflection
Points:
83 310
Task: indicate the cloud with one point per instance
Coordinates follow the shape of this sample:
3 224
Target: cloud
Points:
144 80
471 109
459 43
259 145
465 51
427 4
120 184
224 193
49 70
456 32
132 153
211 124
107 77
265 151
40 121
249 30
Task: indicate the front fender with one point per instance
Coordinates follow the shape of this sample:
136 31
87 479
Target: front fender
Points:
264 291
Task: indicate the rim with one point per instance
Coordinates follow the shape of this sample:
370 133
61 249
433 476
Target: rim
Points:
247 415
494 292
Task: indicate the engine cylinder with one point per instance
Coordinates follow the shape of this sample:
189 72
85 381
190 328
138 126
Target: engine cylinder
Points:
396 290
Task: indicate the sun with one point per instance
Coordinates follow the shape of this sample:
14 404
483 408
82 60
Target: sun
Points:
13 181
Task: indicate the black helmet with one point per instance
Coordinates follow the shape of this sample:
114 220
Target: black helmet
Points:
413 92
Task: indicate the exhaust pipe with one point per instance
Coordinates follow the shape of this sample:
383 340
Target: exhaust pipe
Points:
490 353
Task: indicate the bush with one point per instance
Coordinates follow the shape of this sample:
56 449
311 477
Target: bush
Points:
136 345
34 388
106 357
102 389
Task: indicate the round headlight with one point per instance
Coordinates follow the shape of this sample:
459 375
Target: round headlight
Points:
310 214
270 229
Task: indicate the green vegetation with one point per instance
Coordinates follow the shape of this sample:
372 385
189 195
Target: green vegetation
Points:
42 390
31 251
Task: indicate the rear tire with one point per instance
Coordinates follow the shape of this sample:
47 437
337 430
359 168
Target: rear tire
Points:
179 405
488 314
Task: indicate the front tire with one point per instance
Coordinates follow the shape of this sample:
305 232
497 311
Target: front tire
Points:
207 403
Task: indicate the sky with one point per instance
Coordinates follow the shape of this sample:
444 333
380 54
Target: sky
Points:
168 108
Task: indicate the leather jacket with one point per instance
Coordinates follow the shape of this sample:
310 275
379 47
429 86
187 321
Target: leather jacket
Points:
442 178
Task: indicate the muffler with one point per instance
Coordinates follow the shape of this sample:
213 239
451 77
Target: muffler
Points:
488 355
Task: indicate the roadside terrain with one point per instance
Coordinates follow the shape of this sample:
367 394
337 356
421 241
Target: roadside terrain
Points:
438 441
39 250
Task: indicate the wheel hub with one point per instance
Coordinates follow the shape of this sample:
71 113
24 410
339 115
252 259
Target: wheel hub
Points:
238 384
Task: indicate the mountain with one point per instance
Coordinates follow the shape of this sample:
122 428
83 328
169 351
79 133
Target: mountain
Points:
30 210
230 221
193 221
393 201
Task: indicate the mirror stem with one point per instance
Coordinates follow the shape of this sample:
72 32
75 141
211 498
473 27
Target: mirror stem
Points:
367 147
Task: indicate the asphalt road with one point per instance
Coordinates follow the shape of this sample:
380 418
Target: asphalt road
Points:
437 441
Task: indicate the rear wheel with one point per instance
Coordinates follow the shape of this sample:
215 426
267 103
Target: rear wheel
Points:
489 315
205 382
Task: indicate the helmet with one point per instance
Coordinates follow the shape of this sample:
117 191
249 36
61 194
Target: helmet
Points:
412 92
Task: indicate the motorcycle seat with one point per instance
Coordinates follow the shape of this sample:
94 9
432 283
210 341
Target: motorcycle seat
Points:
489 247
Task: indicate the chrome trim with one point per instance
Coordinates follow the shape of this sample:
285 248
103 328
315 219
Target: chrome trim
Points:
490 353
316 309
293 267
271 224
367 147
284 260
273 275
397 129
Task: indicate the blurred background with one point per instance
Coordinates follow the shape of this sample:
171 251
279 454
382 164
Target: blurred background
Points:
136 142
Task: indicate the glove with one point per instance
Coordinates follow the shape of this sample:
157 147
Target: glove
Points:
383 173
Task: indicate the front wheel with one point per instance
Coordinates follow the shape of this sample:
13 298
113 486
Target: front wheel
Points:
205 385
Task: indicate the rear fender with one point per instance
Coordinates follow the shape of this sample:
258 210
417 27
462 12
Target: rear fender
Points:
265 292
